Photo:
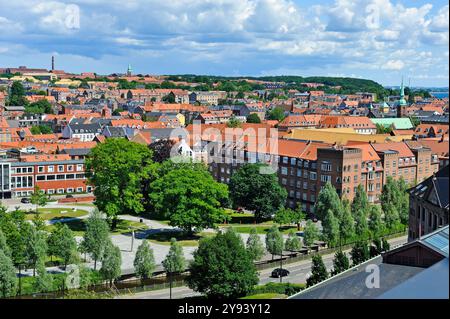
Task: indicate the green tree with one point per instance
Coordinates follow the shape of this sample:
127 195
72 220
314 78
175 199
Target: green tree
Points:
360 252
310 234
111 263
120 167
17 94
144 261
174 262
3 245
253 118
391 217
38 198
346 223
36 247
375 222
391 202
276 113
330 228
96 236
44 280
283 216
190 198
292 243
318 271
62 244
252 189
222 267
386 245
234 122
8 279
297 216
39 107
328 199
376 248
255 247
340 262
403 202
274 241
360 210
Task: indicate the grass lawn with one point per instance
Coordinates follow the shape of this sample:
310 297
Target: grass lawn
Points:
163 238
261 229
51 213
269 295
123 226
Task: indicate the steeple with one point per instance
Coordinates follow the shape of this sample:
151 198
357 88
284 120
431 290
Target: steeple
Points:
402 95
129 70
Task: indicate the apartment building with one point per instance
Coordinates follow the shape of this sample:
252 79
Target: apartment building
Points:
303 167
53 174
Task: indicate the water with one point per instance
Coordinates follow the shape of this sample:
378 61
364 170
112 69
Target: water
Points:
439 95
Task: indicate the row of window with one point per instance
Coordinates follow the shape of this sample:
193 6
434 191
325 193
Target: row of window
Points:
50 169
52 191
59 177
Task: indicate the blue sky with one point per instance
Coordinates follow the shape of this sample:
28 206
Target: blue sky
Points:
381 40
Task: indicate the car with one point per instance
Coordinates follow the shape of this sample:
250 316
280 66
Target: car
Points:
279 272
25 200
69 196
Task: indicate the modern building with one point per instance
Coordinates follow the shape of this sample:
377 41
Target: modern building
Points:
429 205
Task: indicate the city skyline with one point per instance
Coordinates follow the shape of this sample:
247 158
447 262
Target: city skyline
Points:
377 40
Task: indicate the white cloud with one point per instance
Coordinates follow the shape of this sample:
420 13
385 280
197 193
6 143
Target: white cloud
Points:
393 65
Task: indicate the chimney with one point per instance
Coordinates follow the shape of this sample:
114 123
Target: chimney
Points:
53 63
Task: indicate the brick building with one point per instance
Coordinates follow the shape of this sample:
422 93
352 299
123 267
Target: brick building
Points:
53 174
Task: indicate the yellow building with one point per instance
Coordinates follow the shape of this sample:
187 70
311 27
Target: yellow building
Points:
181 118
341 136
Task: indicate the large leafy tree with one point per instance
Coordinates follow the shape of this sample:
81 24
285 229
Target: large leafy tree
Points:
36 247
144 261
328 199
39 107
283 216
118 169
8 279
274 241
62 244
111 263
222 267
310 233
44 280
360 210
17 94
38 198
330 228
255 247
276 113
340 262
395 202
360 252
3 245
346 222
292 243
189 198
252 189
253 118
318 271
96 236
375 223
161 149
174 261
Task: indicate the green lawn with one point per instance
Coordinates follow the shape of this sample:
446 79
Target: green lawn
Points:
261 229
56 213
268 295
163 238
123 226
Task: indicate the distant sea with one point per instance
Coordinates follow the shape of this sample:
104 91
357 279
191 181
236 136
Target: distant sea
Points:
439 95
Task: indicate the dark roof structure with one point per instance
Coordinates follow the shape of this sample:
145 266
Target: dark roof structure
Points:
434 189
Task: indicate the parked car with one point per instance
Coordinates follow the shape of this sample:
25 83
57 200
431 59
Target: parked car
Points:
279 272
69 196
25 200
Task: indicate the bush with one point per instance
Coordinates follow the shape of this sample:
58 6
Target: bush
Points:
278 288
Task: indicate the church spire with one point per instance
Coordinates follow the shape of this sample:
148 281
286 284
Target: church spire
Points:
402 94
129 70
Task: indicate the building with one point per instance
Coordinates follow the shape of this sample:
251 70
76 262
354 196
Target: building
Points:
53 174
209 98
85 132
429 205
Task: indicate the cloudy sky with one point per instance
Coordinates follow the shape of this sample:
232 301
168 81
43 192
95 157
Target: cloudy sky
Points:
376 39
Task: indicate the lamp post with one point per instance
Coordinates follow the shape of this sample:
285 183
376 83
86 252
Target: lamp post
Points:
132 239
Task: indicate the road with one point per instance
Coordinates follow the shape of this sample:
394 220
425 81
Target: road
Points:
299 271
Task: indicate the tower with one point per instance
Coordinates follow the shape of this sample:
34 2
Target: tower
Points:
129 70
53 63
402 104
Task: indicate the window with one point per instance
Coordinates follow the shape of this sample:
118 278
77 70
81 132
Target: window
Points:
285 160
70 176
298 185
325 178
40 178
312 176
299 172
50 177
50 191
306 165
70 190
69 168
283 170
305 173
60 168
326 167
60 190
284 181
79 167
305 185
50 169
370 187
30 169
313 165
313 198
355 178
60 176
304 196
293 160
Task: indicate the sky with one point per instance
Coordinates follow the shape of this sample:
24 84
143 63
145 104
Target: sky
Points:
381 40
